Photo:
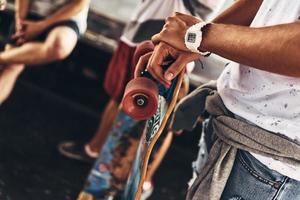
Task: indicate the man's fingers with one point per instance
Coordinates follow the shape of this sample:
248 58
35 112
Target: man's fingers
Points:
156 39
155 69
20 41
142 63
17 35
174 69
25 22
156 73
156 61
189 20
179 64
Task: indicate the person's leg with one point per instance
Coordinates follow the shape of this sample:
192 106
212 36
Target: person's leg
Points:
117 75
58 45
8 77
108 116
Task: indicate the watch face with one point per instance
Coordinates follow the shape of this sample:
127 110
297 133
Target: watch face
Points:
191 37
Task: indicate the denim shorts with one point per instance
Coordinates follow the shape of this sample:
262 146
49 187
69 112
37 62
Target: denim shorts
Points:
252 180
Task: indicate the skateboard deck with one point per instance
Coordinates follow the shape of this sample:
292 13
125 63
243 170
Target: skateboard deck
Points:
109 175
110 172
167 99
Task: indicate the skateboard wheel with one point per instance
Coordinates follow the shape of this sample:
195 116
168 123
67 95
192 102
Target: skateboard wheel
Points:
140 99
142 49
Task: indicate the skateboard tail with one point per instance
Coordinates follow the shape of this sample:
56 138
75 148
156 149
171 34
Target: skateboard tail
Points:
100 180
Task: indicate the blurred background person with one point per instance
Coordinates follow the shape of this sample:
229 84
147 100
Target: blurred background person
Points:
50 34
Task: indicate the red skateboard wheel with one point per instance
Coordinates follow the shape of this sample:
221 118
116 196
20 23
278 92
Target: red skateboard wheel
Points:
142 49
140 99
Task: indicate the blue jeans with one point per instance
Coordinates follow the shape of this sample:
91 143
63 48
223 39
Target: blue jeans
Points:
251 180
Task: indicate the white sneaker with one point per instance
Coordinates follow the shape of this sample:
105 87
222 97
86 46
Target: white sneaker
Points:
147 190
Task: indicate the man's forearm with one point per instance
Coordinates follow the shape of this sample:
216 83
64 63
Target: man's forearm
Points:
68 11
21 8
274 49
242 12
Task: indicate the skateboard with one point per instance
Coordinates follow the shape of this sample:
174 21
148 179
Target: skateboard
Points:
146 99
109 174
105 178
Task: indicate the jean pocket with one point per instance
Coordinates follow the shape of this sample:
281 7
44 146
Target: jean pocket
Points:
259 170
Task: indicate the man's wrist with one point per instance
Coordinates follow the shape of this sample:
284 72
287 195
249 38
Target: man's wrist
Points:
205 32
44 23
194 36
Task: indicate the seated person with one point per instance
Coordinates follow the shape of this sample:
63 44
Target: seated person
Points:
39 40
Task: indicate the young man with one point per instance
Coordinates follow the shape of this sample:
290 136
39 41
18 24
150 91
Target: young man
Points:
49 36
146 21
261 89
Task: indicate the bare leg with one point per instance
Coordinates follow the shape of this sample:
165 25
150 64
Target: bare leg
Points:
8 77
58 45
159 156
107 119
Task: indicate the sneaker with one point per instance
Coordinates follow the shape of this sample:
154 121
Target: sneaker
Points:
77 151
147 190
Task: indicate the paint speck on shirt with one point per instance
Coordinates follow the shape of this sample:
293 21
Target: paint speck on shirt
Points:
275 123
296 115
293 92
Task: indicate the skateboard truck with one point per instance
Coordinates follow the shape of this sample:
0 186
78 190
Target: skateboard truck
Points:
141 100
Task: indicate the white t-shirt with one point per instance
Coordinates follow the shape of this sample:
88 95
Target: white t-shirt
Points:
268 100
47 7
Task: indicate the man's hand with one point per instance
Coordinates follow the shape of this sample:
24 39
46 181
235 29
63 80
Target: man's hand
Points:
154 60
174 30
29 30
19 31
33 29
3 4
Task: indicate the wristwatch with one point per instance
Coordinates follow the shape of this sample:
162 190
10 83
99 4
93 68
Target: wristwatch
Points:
193 38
